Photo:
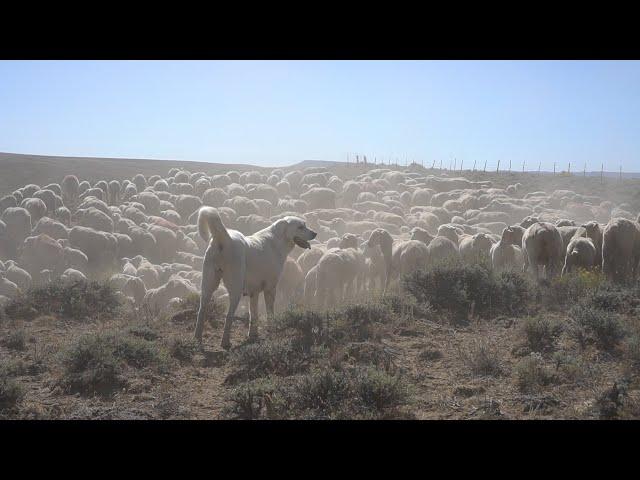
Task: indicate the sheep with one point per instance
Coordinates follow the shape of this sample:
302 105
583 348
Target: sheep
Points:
476 247
620 250
581 252
422 235
442 249
6 202
506 253
382 239
99 247
42 252
114 190
64 215
95 219
36 208
542 245
17 221
319 198
49 199
7 287
336 271
290 285
310 258
19 276
76 259
70 189
71 275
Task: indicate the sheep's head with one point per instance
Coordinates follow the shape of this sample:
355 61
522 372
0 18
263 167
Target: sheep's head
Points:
380 237
422 235
348 240
528 221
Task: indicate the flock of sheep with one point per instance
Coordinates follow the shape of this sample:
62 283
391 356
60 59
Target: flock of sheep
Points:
142 233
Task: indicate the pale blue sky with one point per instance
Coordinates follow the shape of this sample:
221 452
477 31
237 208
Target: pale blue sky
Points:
282 112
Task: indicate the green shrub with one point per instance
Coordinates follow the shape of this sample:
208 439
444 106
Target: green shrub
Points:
183 348
564 290
93 363
370 353
429 354
78 301
632 347
465 290
571 368
138 352
614 298
16 340
143 331
356 393
281 357
91 367
531 373
540 333
481 359
11 392
358 322
606 328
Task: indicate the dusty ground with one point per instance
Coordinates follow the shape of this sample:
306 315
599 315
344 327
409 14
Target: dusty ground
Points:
432 356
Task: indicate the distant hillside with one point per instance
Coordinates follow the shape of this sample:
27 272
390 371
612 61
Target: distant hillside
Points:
17 170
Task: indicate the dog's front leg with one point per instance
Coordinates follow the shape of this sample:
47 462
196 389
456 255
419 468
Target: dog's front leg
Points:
253 316
269 301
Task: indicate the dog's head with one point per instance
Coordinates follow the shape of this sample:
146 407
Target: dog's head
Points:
294 229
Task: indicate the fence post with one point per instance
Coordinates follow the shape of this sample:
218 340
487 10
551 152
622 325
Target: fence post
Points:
474 165
498 167
569 169
554 168
461 163
539 165
485 166
509 165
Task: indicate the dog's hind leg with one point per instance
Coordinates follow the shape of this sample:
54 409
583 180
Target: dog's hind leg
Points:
210 281
234 283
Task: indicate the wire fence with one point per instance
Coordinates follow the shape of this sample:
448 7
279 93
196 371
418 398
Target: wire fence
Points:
364 162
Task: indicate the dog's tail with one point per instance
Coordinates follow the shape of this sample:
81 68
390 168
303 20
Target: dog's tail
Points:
210 224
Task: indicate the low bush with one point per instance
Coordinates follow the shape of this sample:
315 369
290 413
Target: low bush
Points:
540 333
466 290
15 340
94 363
320 394
563 290
183 348
78 301
604 328
281 357
481 359
11 392
531 373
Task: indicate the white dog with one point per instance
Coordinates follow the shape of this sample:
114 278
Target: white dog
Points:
247 265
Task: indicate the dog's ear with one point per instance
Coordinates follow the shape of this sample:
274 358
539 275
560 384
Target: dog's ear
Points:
280 227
